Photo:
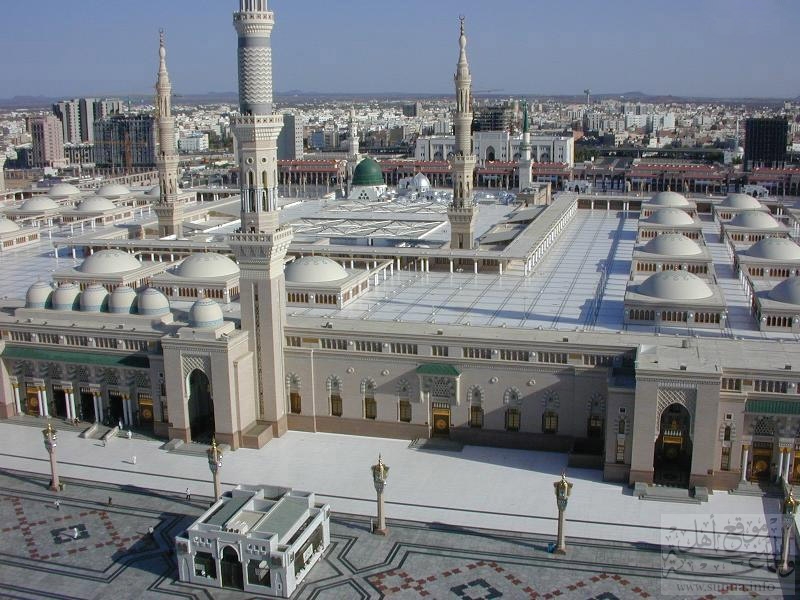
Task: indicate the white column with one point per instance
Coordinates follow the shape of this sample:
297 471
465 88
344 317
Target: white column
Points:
475 266
98 407
780 465
66 404
745 459
17 402
500 268
71 403
43 402
786 466
129 408
451 265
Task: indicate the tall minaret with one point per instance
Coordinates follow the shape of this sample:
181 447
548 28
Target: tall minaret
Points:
353 156
261 246
462 212
2 173
525 162
169 211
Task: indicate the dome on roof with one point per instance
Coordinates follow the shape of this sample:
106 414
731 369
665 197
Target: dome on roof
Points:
755 219
8 226
60 191
774 248
38 203
669 199
95 204
108 262
675 285
421 182
152 303
122 300
38 295
205 313
94 298
66 297
670 216
673 244
112 191
740 201
207 264
368 172
787 291
314 269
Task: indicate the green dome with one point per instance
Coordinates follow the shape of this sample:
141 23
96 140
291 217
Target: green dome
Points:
368 172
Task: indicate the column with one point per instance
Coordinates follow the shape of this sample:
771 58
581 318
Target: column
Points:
41 404
451 265
71 402
70 415
475 266
745 459
17 402
779 474
787 465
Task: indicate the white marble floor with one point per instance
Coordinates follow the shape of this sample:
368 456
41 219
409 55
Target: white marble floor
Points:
486 487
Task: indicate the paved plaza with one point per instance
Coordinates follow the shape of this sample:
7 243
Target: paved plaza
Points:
473 523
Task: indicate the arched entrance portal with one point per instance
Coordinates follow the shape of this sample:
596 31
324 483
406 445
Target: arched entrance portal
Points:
201 407
231 569
672 458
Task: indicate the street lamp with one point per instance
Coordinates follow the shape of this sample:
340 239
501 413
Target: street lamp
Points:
790 505
215 464
563 488
380 472
50 438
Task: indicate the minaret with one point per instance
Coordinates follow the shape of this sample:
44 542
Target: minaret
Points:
169 211
2 174
525 162
260 247
353 156
462 212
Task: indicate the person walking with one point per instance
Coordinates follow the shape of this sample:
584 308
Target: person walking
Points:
57 504
133 460
188 495
109 501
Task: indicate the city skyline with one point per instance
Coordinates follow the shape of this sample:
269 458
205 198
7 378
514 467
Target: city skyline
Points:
362 48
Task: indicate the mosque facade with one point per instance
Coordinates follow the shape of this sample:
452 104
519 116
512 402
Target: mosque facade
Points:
103 342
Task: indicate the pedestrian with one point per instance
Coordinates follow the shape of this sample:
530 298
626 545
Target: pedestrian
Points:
133 460
75 533
109 500
188 495
150 531
130 435
58 505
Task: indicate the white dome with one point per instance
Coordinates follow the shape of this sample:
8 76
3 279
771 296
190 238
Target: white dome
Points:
669 199
112 191
61 191
208 264
152 303
670 216
675 285
38 204
740 201
108 262
314 269
66 297
38 295
8 226
673 244
774 248
421 182
755 219
94 298
787 291
122 300
205 313
95 204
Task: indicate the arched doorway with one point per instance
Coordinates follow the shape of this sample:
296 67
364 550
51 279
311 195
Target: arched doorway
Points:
672 458
231 569
490 154
201 407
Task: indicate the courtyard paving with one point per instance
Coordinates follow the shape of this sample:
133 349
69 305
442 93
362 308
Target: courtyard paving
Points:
88 548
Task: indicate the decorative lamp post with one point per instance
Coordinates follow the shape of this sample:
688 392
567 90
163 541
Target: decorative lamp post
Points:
380 472
215 464
563 488
790 505
50 438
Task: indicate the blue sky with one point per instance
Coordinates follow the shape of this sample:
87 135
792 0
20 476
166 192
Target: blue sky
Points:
682 47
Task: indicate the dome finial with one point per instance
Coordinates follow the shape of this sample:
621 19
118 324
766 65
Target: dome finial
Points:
162 49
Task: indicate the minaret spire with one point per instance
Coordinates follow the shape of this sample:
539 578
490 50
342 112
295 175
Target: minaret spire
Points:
168 209
462 212
525 162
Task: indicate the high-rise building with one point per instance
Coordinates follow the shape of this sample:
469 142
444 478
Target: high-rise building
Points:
68 112
168 208
765 143
495 118
125 142
290 139
462 212
48 142
261 246
412 110
78 116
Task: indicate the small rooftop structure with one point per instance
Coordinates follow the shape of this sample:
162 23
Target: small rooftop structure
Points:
259 539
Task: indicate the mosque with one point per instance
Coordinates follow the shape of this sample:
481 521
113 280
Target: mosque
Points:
652 338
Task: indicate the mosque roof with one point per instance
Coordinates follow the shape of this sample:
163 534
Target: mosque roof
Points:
673 244
670 216
106 262
740 201
206 265
675 285
787 291
755 219
368 172
669 199
773 248
314 269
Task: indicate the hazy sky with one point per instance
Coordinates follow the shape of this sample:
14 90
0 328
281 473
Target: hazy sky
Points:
682 47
